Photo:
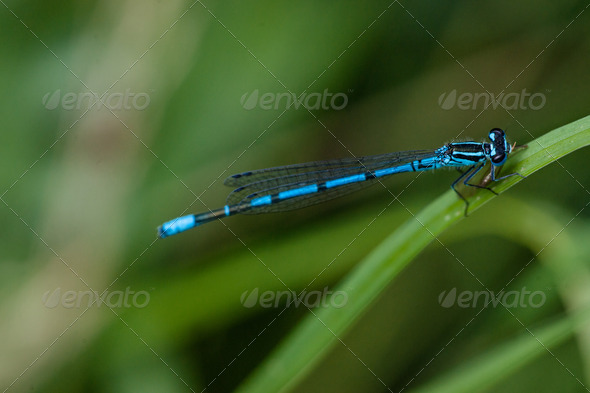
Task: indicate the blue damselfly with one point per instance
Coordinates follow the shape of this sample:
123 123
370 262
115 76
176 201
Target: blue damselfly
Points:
296 186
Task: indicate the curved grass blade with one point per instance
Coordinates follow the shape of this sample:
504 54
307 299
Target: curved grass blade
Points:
318 332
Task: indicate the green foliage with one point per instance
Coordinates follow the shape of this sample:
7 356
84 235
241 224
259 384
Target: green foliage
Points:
323 328
84 187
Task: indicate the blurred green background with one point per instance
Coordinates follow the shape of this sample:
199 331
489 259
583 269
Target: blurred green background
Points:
84 188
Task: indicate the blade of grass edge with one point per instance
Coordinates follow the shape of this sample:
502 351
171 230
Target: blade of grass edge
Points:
566 260
487 369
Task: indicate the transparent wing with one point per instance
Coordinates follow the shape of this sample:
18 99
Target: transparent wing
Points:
296 202
322 168
271 181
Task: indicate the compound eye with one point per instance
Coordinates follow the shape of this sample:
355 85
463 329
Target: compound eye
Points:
498 159
495 134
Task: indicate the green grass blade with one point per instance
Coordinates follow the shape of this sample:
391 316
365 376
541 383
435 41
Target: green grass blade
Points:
485 371
318 332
